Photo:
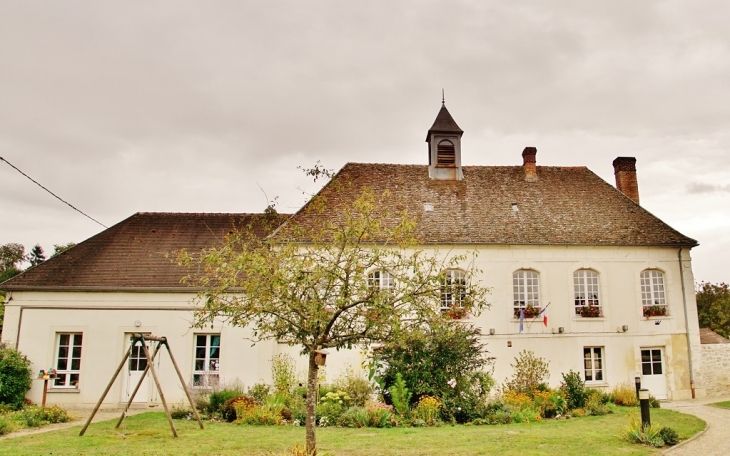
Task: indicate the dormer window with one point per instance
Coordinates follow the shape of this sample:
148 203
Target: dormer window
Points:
446 154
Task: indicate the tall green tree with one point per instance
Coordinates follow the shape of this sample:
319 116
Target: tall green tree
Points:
358 277
36 255
713 307
11 256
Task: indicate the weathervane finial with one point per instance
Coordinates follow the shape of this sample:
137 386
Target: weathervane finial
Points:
443 98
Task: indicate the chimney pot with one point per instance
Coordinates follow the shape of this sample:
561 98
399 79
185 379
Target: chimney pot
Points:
529 160
624 168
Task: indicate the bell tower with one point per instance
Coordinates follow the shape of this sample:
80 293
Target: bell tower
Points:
444 147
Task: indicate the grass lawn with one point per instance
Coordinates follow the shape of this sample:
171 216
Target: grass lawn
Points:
725 404
149 434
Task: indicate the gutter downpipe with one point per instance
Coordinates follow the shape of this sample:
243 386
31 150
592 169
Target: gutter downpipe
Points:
686 324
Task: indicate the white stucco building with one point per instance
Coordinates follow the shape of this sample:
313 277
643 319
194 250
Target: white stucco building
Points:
616 281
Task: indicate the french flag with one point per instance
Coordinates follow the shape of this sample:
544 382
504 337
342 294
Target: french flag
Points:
544 316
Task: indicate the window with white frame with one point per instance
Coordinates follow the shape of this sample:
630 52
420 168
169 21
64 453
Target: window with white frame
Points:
380 280
593 364
653 298
585 293
68 360
453 289
206 372
526 290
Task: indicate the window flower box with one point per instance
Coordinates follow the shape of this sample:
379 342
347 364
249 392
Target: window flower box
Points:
530 311
590 311
655 311
456 313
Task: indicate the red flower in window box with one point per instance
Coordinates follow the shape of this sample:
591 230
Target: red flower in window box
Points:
655 311
456 313
590 311
530 311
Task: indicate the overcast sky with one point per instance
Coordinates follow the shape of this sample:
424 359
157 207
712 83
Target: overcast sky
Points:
178 106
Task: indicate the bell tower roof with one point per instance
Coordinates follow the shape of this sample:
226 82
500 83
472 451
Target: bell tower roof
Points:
444 123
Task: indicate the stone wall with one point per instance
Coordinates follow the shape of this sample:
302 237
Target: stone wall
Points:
716 369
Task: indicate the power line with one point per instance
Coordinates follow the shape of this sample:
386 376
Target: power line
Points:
56 196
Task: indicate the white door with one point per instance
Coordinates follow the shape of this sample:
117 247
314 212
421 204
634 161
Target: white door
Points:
136 365
653 377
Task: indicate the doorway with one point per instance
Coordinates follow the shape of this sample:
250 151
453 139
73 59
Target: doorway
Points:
135 367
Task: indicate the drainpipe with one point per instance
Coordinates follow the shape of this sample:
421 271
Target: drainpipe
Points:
686 324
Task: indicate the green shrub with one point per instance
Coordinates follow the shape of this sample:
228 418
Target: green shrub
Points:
355 385
526 415
218 398
669 436
354 417
400 395
595 406
467 399
180 413
574 390
15 377
430 359
260 391
499 417
31 416
5 427
379 415
330 411
528 372
54 414
654 402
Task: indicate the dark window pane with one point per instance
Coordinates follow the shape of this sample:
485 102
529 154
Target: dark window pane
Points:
75 364
656 355
657 368
63 352
200 352
76 352
598 363
142 364
62 363
63 339
645 356
60 380
199 364
77 339
599 375
586 352
589 376
200 341
646 369
215 341
214 352
74 380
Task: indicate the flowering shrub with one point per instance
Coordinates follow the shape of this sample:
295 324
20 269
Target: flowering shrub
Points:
228 409
516 400
529 372
625 394
257 416
340 397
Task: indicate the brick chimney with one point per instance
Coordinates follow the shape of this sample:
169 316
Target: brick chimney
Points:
529 163
624 168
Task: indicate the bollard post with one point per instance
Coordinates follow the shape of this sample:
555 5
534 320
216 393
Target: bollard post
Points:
637 382
644 402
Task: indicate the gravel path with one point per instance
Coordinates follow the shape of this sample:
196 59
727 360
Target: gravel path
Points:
715 440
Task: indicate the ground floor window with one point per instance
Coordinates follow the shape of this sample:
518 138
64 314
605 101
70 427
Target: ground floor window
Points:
593 363
207 360
68 360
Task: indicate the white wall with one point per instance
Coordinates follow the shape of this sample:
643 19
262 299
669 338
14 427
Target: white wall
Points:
105 317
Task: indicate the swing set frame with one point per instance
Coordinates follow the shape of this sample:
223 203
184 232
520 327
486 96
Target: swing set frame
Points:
141 339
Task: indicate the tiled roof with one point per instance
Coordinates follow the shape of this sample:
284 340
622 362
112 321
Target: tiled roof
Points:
708 336
137 252
565 206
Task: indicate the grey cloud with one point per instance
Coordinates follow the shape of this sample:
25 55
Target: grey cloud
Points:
699 187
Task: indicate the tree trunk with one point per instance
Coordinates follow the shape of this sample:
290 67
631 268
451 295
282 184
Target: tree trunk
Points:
311 422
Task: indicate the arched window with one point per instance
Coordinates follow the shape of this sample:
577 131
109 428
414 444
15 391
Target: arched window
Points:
380 280
585 292
445 153
453 289
653 298
526 291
